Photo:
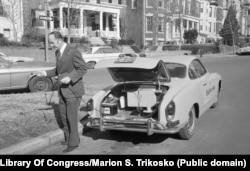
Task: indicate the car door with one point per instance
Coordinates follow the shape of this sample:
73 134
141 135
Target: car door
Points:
4 74
199 75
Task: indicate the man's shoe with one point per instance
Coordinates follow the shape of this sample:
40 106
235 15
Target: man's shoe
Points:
69 149
64 143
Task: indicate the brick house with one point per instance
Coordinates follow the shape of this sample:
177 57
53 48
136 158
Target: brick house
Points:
153 22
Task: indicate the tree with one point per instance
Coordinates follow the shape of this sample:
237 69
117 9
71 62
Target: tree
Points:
13 14
230 29
190 36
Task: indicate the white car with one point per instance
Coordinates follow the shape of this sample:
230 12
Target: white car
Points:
154 95
96 53
16 58
168 50
243 51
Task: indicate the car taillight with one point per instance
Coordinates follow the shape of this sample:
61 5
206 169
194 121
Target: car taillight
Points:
90 105
170 110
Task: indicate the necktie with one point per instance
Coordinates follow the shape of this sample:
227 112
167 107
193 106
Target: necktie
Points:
58 55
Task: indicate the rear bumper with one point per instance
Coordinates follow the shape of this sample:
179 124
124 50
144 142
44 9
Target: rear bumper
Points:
147 126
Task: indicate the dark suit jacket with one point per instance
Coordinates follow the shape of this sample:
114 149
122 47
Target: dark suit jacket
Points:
70 64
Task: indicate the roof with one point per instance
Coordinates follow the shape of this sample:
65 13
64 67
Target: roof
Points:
182 59
139 62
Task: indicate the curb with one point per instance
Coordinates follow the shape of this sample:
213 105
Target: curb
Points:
37 143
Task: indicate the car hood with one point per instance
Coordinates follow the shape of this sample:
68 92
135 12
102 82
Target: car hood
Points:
139 69
31 65
18 59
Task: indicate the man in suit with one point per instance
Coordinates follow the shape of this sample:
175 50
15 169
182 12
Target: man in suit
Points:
70 68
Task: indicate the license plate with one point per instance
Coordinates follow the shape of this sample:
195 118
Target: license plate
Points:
106 110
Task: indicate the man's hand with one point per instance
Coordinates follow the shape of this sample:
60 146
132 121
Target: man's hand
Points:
65 80
39 73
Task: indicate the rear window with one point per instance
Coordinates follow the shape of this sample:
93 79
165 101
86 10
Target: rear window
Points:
176 70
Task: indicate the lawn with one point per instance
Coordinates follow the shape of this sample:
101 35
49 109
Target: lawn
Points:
26 115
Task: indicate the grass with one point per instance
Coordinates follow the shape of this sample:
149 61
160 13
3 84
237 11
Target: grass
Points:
25 115
28 115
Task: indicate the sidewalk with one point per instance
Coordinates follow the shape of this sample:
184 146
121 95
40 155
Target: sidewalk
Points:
217 55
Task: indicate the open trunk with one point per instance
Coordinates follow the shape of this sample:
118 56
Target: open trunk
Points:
133 102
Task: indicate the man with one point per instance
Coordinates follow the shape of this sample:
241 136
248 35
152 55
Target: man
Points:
70 68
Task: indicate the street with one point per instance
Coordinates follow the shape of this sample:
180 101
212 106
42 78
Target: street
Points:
223 130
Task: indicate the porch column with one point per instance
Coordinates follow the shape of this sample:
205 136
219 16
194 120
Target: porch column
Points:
118 26
81 22
101 23
107 22
61 18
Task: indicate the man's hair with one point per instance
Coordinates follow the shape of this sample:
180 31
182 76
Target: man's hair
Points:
57 34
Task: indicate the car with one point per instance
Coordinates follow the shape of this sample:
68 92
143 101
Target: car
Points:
16 58
96 53
132 50
164 50
243 51
154 95
15 76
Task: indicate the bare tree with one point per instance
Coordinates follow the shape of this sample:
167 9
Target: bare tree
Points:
13 14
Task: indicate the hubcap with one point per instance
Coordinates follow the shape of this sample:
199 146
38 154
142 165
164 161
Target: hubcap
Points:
41 85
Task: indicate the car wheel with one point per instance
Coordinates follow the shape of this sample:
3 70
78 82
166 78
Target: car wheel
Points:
188 130
40 84
217 99
91 64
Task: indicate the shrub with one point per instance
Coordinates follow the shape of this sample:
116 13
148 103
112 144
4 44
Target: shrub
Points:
4 41
196 48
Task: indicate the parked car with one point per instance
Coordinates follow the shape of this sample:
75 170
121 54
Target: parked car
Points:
154 95
164 50
96 53
131 50
243 51
20 76
16 58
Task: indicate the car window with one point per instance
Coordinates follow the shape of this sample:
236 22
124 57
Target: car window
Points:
168 47
89 51
196 69
99 51
108 50
136 49
176 70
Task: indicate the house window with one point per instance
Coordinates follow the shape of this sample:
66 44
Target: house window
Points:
120 2
6 33
98 1
149 43
160 4
1 9
168 5
134 4
149 23
161 24
110 1
149 3
56 19
189 6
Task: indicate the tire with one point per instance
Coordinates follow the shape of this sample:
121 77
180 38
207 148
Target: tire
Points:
217 100
40 84
187 131
91 64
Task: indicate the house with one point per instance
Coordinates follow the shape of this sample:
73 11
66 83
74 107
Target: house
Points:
87 18
11 19
158 21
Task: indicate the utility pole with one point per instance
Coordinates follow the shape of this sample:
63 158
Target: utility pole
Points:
46 32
